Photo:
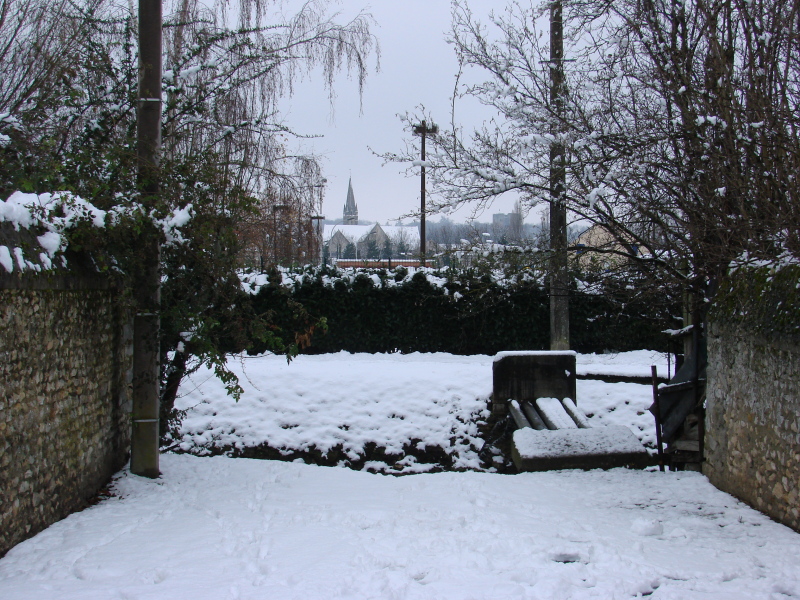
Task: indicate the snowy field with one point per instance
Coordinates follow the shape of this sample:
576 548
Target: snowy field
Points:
221 528
340 403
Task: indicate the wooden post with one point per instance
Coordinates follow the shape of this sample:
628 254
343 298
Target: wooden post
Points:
657 415
146 367
423 130
559 274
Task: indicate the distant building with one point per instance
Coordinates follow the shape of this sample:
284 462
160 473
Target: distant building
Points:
350 214
502 220
508 225
599 249
388 241
350 241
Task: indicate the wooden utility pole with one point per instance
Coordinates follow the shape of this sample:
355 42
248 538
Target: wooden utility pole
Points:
423 130
559 275
146 367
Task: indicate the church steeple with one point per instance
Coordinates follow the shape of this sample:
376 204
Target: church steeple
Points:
350 215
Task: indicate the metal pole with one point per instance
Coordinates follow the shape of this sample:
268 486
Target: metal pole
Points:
146 368
559 275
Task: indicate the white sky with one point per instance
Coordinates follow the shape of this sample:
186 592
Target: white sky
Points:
417 68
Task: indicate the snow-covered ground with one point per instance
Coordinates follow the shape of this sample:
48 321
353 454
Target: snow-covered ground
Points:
395 401
220 528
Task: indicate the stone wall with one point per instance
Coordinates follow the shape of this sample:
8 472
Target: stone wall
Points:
65 356
752 441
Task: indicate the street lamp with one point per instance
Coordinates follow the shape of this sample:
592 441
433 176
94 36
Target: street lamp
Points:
316 242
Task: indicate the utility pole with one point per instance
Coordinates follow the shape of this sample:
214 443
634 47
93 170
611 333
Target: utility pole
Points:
146 367
559 275
423 130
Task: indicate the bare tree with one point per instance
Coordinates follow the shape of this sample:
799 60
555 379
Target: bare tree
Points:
677 123
224 82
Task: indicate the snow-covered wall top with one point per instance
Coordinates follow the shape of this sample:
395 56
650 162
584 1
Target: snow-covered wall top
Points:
51 216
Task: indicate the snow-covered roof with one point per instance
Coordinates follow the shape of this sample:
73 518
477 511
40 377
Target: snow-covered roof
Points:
351 232
411 232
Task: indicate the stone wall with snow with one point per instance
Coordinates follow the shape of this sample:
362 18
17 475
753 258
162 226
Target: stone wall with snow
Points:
752 441
65 353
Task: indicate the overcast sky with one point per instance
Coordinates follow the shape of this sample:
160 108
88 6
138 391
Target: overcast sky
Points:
418 68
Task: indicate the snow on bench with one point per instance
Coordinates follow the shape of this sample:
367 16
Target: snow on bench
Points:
577 415
537 389
554 415
593 448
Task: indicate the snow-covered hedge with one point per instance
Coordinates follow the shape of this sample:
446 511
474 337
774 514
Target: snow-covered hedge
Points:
444 278
447 310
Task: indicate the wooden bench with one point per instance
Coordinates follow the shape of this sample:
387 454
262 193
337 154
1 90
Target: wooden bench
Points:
537 390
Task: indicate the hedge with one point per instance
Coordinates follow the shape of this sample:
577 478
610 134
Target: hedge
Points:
469 313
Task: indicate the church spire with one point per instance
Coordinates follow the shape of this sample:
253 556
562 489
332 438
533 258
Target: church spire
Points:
350 215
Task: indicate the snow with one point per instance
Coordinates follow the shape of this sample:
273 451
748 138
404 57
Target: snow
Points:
172 223
679 332
552 412
575 414
596 441
618 404
346 401
51 242
59 211
501 355
5 259
353 233
16 210
28 210
628 364
342 401
292 278
220 528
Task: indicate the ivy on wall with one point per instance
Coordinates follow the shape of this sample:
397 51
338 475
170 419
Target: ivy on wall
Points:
765 299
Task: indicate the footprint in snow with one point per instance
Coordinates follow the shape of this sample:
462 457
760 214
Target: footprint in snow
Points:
566 557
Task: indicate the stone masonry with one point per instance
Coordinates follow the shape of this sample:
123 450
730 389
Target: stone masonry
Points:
65 355
752 441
